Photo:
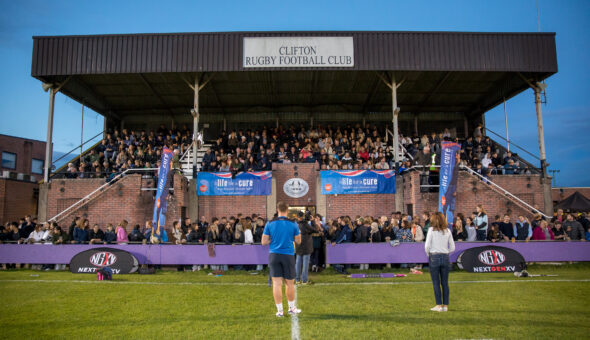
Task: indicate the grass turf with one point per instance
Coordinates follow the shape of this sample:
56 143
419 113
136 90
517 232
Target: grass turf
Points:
200 306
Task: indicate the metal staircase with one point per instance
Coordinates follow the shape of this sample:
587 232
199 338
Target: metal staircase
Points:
186 161
403 154
505 193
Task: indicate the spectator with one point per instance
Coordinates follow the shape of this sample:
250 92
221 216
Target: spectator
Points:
481 223
36 236
558 232
213 231
177 236
507 228
122 232
375 234
459 233
404 234
388 233
305 248
574 229
417 234
80 232
522 229
471 230
238 235
361 231
135 235
110 236
426 218
193 235
26 227
543 232
227 234
494 234
96 235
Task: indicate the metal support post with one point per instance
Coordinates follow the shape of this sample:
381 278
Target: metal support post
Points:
506 122
395 111
195 113
416 124
537 90
466 126
82 131
49 144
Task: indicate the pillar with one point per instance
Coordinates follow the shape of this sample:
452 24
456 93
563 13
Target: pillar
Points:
49 145
321 206
195 113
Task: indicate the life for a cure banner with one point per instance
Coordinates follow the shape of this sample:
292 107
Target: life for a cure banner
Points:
298 52
243 184
449 173
93 260
161 204
491 259
358 182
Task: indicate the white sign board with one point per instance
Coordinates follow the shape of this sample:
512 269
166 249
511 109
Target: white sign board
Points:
298 52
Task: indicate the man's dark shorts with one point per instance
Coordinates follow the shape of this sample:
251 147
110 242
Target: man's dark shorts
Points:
282 265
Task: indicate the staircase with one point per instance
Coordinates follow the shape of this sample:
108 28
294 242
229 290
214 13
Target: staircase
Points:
186 161
403 154
505 193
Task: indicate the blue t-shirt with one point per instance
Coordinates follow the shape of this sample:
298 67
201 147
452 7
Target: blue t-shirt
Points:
281 232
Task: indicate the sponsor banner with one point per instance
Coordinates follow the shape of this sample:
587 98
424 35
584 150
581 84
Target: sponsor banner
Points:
298 52
93 260
242 184
449 173
296 187
491 259
161 203
357 182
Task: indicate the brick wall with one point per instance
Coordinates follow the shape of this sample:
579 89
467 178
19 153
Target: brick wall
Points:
471 191
559 194
17 199
305 171
220 206
121 200
352 205
25 150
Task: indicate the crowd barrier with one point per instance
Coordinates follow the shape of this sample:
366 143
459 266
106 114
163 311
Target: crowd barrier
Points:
348 253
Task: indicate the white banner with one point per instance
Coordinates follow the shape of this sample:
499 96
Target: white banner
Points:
299 52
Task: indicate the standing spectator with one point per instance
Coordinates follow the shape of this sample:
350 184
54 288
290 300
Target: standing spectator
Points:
522 229
177 236
110 236
471 231
213 231
439 244
404 234
135 235
459 233
417 234
80 233
574 229
26 227
558 232
305 248
543 233
375 234
248 236
506 228
481 223
494 234
36 236
96 235
122 232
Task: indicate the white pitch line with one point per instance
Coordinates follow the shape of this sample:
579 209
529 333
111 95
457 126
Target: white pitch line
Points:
295 322
265 284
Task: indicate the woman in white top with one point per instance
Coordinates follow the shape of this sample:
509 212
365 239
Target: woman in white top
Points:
471 231
439 244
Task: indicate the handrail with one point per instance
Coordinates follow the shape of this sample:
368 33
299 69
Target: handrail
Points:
55 218
77 147
513 144
507 193
403 149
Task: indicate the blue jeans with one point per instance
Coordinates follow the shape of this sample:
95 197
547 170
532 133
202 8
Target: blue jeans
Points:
301 261
439 273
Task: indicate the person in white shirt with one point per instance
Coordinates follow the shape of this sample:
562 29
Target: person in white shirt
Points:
36 236
439 244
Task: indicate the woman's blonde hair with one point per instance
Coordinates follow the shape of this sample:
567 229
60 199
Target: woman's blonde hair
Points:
480 206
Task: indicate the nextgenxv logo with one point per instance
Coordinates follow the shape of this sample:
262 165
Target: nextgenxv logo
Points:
491 257
103 259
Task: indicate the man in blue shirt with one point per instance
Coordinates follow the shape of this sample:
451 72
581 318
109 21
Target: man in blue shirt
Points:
281 234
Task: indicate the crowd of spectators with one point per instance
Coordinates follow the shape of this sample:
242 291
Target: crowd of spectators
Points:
396 228
349 147
129 149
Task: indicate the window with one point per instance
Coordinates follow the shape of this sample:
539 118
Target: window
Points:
8 160
37 166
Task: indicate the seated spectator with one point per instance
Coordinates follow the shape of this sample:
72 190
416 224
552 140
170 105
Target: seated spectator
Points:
574 229
510 168
110 236
542 232
59 237
558 232
96 235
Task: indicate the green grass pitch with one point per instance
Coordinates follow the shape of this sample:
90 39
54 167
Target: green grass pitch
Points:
238 305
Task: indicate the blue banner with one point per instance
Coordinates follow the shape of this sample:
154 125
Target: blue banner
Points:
161 204
243 184
358 182
449 173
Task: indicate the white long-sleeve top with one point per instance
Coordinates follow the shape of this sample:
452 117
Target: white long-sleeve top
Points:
439 242
248 237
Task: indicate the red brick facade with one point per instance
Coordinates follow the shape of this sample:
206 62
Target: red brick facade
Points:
364 205
122 200
306 171
25 150
220 206
17 199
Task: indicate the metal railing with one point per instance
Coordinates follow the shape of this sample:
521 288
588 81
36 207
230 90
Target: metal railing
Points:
86 199
78 147
401 146
514 144
504 191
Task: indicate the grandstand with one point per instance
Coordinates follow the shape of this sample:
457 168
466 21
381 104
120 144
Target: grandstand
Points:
402 83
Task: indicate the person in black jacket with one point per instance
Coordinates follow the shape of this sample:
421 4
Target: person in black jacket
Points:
374 233
459 233
305 248
361 232
96 235
258 230
135 235
227 234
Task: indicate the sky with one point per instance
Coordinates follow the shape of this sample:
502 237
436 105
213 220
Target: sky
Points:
24 104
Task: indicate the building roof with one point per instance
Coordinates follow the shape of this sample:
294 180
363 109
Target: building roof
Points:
143 74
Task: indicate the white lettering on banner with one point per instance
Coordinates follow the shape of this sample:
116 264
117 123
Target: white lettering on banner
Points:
298 52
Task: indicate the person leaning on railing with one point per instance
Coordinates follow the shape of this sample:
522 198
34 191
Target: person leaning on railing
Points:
574 229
